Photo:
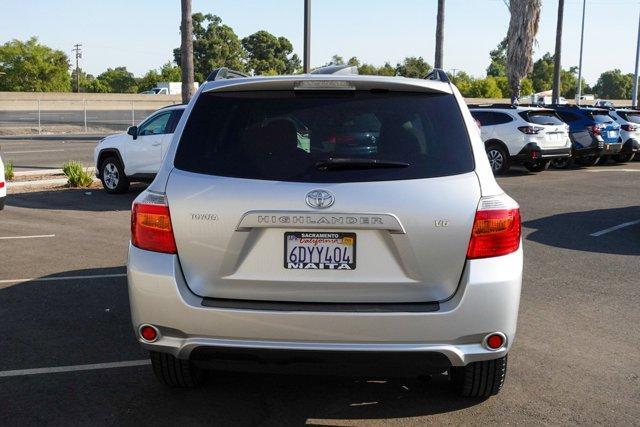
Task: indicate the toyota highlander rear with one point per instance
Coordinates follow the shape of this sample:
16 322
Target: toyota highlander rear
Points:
299 219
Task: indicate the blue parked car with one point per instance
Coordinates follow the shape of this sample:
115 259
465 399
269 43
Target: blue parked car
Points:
594 135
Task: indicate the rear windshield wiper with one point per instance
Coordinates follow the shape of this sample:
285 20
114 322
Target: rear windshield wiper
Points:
355 164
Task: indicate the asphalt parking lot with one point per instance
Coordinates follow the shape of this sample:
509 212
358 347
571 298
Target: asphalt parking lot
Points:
63 303
32 153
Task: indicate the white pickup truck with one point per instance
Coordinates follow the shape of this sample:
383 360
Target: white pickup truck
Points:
168 88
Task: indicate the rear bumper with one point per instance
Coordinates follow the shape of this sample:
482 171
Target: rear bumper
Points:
533 152
631 145
486 301
598 148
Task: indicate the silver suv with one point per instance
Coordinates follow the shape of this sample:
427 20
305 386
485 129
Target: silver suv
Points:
271 238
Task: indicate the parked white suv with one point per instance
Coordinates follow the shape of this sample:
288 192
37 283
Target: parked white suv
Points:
521 135
258 245
137 154
3 185
629 120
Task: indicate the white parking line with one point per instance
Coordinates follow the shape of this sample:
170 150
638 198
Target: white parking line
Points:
32 151
613 170
40 236
51 279
74 368
614 228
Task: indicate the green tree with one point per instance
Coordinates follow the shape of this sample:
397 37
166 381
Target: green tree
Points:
149 80
485 88
614 85
498 66
542 73
32 67
268 54
387 70
368 70
463 82
353 61
215 45
119 80
413 67
168 72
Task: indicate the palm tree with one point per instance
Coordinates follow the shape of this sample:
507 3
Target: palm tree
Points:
186 51
557 65
521 36
439 34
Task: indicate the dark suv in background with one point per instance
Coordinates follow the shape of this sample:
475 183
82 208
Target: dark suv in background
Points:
593 134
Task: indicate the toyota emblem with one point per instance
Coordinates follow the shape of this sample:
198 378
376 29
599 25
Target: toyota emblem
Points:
319 199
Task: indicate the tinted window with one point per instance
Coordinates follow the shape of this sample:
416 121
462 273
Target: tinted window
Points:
175 118
568 117
601 116
490 118
281 135
633 117
542 117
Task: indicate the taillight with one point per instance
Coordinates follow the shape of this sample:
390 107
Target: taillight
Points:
595 129
151 225
530 130
1 184
629 128
496 228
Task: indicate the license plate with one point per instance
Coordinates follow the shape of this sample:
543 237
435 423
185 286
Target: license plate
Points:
319 251
612 134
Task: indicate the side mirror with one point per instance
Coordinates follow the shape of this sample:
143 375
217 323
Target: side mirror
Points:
133 131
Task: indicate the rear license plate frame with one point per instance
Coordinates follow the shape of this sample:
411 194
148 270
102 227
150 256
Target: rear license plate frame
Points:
320 265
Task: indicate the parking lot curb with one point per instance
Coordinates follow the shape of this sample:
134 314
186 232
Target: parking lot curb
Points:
45 172
41 183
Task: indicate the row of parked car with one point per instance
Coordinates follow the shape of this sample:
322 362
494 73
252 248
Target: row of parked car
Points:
559 135
535 137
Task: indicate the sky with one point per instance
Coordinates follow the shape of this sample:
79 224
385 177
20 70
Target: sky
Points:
141 34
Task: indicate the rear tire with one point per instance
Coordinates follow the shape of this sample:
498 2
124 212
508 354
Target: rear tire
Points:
624 158
539 166
603 160
175 372
562 163
479 379
498 158
112 175
588 161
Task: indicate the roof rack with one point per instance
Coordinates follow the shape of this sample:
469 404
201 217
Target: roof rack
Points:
336 69
512 106
223 73
438 74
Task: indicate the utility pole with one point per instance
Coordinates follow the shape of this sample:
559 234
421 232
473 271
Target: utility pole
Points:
439 35
634 95
306 62
579 92
557 65
77 48
186 50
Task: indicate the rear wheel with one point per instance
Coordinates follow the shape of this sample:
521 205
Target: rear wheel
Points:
538 166
498 158
175 372
112 176
624 158
479 379
562 163
588 160
603 160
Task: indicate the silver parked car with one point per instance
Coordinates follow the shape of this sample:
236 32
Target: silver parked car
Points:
260 243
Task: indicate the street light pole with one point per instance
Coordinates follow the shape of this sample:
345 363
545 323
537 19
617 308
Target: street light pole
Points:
579 92
634 95
306 62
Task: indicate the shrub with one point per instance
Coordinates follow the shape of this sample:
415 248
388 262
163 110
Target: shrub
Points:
77 175
8 171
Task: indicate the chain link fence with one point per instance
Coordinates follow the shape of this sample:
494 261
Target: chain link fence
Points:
65 116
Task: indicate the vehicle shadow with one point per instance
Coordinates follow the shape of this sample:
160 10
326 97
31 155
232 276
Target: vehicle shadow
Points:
573 231
76 199
85 321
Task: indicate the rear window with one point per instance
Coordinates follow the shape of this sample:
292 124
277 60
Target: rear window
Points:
542 118
601 116
325 137
633 117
